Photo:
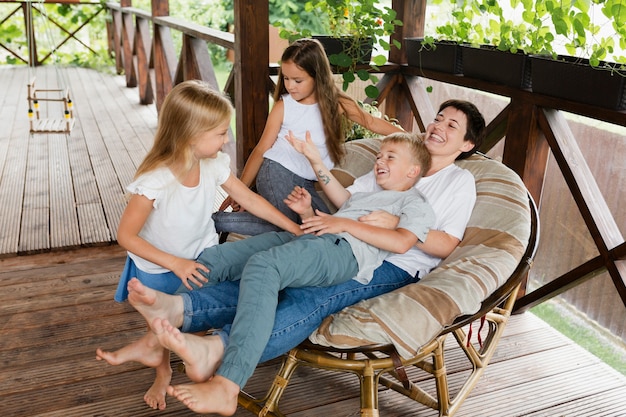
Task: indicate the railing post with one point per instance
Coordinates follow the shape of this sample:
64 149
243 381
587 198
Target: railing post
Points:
163 52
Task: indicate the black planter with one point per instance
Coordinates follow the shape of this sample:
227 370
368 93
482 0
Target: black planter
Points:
574 79
490 64
442 56
361 53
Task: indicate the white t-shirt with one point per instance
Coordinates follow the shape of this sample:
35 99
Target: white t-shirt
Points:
180 223
299 118
451 193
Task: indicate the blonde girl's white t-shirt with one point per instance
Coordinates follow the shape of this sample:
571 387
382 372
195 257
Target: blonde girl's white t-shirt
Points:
180 222
451 192
299 118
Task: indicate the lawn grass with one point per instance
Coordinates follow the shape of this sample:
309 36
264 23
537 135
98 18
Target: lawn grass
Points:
584 333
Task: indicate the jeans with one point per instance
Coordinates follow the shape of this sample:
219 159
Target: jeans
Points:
299 312
273 261
274 183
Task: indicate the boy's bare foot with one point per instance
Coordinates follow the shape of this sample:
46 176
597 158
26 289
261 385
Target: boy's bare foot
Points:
155 396
218 395
152 303
202 355
146 351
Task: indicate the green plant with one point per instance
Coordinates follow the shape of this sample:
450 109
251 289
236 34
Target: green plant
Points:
595 30
360 21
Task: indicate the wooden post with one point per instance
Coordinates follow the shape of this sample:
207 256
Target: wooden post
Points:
412 13
251 74
27 9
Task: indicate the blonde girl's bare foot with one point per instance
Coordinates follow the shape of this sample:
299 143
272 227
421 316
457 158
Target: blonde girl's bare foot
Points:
202 355
218 395
155 396
152 303
146 351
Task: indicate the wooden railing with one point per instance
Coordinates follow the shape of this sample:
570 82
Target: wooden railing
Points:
534 126
32 11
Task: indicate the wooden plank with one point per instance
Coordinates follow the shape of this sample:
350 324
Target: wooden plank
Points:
91 218
13 148
63 218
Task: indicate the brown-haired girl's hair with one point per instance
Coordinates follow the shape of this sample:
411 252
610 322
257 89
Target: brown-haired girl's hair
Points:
309 55
191 108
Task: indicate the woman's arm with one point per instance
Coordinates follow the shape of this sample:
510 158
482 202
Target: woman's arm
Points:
355 113
392 240
438 243
258 206
133 219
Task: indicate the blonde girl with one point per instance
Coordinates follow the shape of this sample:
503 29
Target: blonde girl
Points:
167 222
306 98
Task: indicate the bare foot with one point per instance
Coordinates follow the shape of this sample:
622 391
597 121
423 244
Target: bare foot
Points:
146 351
152 304
202 355
155 396
218 395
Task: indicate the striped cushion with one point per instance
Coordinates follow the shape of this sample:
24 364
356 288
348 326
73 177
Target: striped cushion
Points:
494 243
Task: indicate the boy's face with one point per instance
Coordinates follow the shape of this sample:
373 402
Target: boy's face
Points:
394 167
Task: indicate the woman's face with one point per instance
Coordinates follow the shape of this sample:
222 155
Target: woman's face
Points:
445 136
298 83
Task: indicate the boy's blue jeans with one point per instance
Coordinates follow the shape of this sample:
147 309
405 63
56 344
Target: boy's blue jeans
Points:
299 312
274 183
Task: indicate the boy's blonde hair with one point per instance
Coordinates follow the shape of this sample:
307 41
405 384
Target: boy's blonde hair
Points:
419 152
191 108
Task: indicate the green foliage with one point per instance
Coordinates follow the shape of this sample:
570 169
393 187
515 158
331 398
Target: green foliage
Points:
546 27
583 334
360 20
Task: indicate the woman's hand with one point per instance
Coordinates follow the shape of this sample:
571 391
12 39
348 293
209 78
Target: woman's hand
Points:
189 271
382 219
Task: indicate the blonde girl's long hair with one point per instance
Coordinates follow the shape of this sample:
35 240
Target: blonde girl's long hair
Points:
309 55
191 108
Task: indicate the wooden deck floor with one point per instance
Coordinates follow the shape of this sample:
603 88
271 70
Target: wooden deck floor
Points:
65 191
60 201
56 309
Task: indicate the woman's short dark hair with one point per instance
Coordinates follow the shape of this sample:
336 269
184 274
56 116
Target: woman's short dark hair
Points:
475 123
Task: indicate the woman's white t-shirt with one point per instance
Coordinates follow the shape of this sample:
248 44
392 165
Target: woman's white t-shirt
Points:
451 192
180 222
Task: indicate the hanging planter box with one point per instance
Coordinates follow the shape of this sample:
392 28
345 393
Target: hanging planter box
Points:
361 53
490 64
574 79
443 56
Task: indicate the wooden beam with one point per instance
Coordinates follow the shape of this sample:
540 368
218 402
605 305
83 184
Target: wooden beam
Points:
251 74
